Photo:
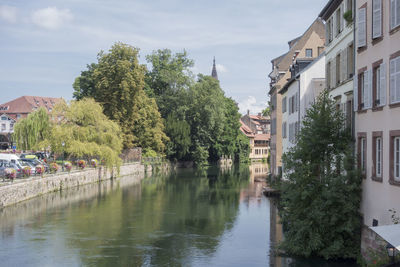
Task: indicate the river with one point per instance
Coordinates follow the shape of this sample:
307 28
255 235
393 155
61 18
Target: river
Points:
217 217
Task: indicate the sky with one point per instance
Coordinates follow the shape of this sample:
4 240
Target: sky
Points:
45 44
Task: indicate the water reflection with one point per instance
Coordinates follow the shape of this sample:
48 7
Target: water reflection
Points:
215 217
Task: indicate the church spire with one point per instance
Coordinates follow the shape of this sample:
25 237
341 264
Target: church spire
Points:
214 71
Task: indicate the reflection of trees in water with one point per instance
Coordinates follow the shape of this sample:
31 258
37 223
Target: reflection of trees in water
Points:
174 218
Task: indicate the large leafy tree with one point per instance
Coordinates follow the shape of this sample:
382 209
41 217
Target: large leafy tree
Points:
168 81
117 82
321 191
30 131
85 132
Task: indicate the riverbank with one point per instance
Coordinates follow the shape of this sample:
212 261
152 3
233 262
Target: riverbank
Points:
36 186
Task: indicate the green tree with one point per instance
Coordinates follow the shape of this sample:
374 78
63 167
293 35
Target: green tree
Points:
85 131
30 131
321 194
179 133
169 80
117 82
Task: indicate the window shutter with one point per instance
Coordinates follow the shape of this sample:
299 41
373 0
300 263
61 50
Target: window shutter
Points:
343 58
370 88
376 18
392 14
361 27
342 18
382 96
397 77
355 92
397 21
366 90
327 33
333 73
392 81
297 102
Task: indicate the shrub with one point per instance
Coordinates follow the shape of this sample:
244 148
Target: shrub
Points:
94 163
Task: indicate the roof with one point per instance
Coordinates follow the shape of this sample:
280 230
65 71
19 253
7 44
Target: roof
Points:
329 8
257 117
246 130
293 42
262 137
390 233
27 104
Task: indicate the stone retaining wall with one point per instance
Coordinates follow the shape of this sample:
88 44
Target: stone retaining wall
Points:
36 186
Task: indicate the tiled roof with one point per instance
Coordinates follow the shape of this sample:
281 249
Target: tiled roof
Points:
27 104
265 137
246 130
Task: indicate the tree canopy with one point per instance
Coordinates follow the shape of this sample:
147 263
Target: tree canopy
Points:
30 131
117 82
321 190
85 132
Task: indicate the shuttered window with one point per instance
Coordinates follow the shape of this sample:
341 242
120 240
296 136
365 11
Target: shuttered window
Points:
284 130
394 13
284 105
355 93
380 85
396 157
376 18
378 157
395 80
362 28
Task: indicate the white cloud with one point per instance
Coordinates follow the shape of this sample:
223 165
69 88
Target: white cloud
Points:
251 104
8 13
51 17
221 68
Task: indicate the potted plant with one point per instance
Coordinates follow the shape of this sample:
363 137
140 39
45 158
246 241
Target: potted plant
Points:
40 169
81 164
54 167
348 16
11 173
27 171
94 163
68 166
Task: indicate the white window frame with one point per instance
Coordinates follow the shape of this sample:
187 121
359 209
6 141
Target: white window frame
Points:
363 156
378 157
394 15
362 27
394 84
396 158
376 17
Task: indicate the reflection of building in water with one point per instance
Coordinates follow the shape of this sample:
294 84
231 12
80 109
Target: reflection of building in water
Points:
257 180
258 171
275 236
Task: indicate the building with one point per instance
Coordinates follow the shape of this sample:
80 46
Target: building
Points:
339 52
214 73
259 124
307 81
309 45
19 108
377 116
259 142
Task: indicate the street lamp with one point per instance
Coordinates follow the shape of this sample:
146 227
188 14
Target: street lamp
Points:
62 144
391 251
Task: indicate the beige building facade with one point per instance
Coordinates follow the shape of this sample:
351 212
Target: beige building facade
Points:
309 45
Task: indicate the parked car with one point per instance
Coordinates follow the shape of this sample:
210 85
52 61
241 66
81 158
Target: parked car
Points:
4 164
12 158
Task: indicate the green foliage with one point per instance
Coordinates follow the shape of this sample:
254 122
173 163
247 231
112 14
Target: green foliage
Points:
85 131
348 16
179 133
200 156
169 80
30 131
117 82
321 194
149 153
242 148
266 111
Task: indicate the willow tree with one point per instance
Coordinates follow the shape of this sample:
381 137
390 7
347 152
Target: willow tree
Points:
85 132
30 131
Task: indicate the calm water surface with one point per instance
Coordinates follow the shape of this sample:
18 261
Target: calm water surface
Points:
188 218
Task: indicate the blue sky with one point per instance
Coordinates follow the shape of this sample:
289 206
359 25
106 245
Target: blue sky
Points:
45 44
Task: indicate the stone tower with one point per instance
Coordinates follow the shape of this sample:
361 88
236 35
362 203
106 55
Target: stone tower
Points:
214 71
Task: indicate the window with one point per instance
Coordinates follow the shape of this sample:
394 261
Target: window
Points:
379 85
362 153
361 86
273 126
394 166
396 156
308 52
3 127
339 21
328 75
284 105
365 90
320 50
338 69
4 118
273 102
329 31
394 13
284 130
395 80
18 116
378 156
350 61
376 19
362 28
